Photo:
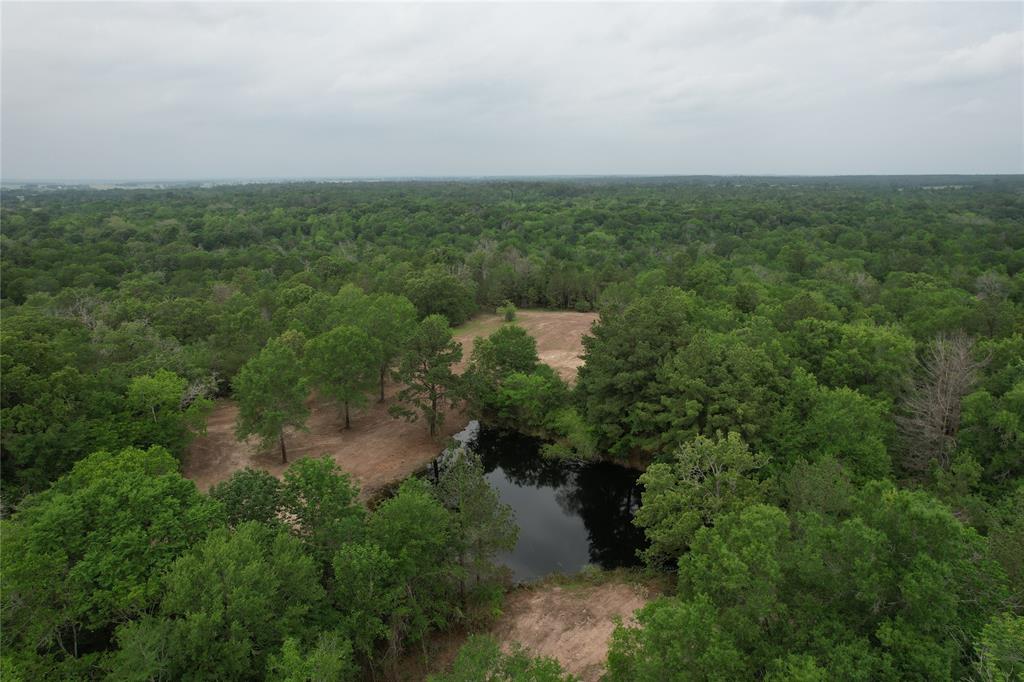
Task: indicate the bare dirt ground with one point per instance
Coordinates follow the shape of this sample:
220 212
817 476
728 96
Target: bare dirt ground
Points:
378 450
569 620
571 624
559 336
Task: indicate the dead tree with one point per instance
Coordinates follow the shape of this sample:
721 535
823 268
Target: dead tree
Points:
931 413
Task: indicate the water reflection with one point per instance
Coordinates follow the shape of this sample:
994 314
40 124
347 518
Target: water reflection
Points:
569 513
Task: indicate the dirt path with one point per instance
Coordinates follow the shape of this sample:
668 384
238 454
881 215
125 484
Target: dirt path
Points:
378 450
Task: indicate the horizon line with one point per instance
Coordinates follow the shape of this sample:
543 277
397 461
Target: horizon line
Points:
434 177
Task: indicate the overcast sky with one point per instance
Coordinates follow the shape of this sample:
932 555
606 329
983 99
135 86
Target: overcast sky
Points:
176 91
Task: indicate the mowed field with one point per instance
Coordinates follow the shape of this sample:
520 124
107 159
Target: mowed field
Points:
378 450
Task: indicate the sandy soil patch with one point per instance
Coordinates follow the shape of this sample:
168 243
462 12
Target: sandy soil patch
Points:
378 450
569 620
569 623
559 336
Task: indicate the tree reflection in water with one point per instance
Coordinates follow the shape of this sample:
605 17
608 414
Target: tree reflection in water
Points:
548 494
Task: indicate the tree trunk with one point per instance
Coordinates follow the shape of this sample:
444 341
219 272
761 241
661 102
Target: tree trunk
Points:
284 453
382 370
348 424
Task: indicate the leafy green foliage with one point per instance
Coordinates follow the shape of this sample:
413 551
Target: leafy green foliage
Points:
679 640
426 371
508 386
1000 651
249 495
389 321
869 596
481 658
343 364
229 601
482 526
271 393
329 660
717 383
705 479
839 423
170 413
869 358
368 595
321 505
415 530
436 292
89 552
507 310
618 381
790 313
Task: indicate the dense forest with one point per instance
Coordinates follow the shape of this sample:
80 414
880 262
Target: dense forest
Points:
823 378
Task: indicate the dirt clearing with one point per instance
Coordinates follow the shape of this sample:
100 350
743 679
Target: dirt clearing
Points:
378 450
569 619
559 336
572 624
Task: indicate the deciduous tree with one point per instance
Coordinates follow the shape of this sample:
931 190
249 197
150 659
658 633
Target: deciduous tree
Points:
342 364
271 393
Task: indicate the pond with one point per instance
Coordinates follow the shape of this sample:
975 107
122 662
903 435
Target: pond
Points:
570 514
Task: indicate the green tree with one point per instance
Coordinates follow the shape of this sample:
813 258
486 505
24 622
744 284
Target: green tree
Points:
705 479
170 410
415 530
509 348
822 486
426 370
227 603
322 505
342 364
271 393
436 292
676 641
992 427
532 402
507 310
1000 651
872 359
482 658
482 525
368 594
505 379
717 382
1006 539
870 596
618 380
89 552
249 495
390 321
329 660
841 423
240 331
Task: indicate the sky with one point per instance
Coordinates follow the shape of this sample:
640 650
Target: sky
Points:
147 91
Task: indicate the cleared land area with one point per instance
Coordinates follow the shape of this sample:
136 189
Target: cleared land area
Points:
378 450
572 624
569 619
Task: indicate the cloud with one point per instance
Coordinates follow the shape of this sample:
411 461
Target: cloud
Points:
998 56
123 90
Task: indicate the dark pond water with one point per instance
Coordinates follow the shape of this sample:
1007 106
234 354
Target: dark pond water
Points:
570 514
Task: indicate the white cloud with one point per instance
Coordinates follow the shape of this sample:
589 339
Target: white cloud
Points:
1000 55
227 90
